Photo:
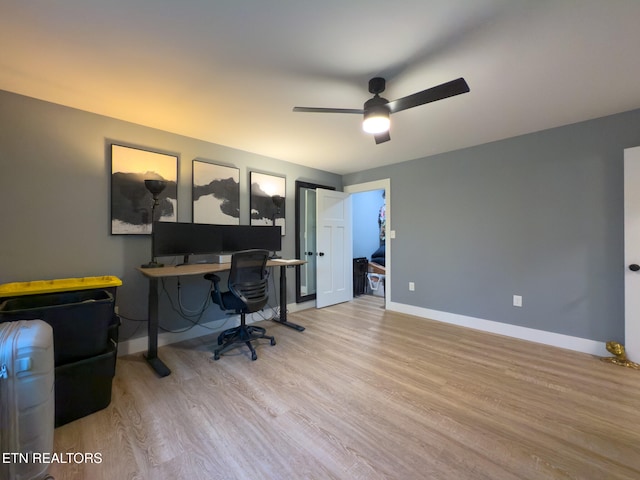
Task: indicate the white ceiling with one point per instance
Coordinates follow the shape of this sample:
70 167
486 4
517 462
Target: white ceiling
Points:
230 71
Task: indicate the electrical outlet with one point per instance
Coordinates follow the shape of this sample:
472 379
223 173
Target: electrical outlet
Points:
517 300
412 287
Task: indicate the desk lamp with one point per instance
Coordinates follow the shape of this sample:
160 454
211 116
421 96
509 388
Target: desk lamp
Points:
155 187
278 201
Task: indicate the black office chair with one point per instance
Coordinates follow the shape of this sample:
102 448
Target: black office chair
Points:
248 293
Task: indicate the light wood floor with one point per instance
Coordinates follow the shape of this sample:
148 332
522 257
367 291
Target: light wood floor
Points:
365 394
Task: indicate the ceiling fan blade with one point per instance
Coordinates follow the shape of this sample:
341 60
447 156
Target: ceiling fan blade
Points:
382 137
439 92
328 110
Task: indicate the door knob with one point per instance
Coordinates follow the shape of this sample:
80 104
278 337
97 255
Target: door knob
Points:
321 254
634 267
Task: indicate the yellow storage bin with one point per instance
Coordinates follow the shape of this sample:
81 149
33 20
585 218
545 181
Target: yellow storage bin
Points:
17 289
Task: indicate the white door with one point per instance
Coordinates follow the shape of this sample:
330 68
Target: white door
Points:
334 248
632 253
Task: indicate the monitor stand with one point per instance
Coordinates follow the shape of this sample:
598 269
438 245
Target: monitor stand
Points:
185 260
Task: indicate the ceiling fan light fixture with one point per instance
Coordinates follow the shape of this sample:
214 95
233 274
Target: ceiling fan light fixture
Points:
376 120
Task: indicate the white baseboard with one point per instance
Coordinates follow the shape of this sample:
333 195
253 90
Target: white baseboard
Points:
583 345
141 344
297 307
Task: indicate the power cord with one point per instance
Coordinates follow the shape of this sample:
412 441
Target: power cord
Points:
187 314
137 321
195 316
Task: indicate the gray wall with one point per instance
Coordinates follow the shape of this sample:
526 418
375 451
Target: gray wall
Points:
54 192
540 215
366 232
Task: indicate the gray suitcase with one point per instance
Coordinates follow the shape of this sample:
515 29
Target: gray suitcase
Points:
26 399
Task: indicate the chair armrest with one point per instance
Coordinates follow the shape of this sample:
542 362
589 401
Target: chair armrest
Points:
212 277
215 280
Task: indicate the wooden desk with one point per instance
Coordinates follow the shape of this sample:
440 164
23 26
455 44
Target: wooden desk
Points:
155 274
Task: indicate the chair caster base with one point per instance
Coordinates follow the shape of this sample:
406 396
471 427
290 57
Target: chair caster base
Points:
238 336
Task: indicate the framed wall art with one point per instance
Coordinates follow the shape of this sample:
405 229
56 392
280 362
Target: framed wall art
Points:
215 193
268 200
131 201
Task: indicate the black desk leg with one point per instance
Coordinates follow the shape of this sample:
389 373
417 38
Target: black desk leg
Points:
152 352
283 301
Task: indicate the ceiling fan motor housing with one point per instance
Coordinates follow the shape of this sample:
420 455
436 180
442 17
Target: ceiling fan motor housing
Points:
376 104
376 115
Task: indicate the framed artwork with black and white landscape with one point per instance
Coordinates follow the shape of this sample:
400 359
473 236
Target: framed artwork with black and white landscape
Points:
131 202
216 194
268 200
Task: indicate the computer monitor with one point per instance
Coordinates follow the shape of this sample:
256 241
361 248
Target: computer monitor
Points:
245 237
175 238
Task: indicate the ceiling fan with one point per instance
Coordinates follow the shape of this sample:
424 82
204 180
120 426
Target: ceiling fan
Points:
376 110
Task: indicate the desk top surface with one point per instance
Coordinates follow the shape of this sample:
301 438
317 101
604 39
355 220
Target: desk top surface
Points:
202 268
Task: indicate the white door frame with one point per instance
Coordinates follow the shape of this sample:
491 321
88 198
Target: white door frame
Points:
383 184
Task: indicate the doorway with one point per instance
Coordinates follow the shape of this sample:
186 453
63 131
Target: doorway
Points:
383 186
369 242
